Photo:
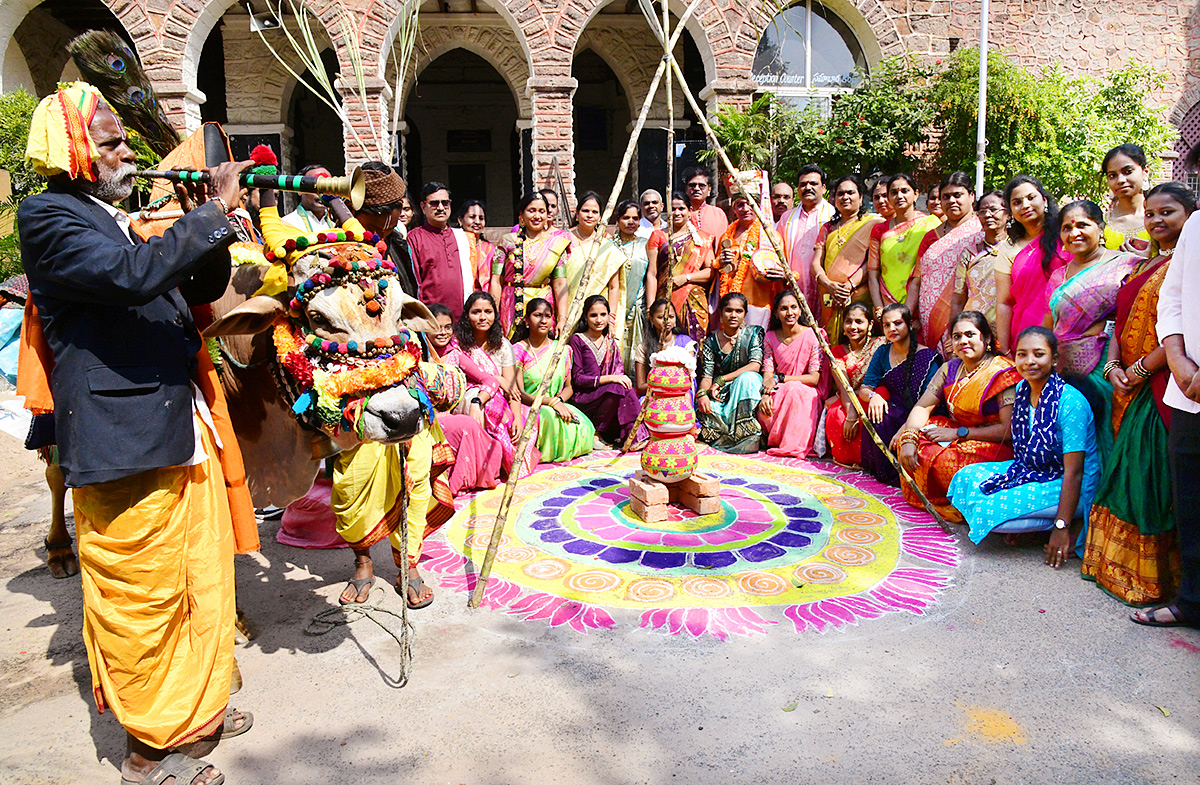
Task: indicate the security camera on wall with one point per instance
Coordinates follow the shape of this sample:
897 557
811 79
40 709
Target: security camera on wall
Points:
261 22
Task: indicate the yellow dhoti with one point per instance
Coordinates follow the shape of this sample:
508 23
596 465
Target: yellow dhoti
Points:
156 556
368 486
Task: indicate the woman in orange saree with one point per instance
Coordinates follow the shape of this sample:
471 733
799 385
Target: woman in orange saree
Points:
977 389
686 264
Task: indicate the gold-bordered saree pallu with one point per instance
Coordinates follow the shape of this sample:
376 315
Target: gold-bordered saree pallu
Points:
1131 549
972 402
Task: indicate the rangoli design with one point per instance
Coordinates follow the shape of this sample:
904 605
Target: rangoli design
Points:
794 542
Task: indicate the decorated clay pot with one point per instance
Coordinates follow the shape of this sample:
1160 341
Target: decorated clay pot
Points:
670 460
667 380
666 417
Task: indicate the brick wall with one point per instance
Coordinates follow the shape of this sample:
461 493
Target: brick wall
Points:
534 42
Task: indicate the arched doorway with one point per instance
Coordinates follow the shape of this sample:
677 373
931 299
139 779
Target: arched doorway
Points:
37 58
601 123
808 53
464 112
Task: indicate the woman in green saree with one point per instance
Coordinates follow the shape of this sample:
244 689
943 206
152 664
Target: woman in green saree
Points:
563 431
731 381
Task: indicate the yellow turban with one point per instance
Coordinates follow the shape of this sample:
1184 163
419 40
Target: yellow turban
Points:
59 142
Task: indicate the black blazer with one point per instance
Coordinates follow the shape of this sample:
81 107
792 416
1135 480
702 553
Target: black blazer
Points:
116 317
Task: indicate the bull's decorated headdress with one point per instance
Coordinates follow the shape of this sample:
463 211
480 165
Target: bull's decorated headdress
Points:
328 382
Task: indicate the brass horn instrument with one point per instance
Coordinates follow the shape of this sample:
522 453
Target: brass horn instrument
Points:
352 188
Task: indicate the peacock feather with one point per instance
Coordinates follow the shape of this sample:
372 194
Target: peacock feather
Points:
106 61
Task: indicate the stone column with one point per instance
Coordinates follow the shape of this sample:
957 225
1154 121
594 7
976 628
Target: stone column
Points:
722 92
552 130
181 104
360 143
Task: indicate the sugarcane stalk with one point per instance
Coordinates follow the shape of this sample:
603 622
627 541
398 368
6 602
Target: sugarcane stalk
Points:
485 568
664 333
791 280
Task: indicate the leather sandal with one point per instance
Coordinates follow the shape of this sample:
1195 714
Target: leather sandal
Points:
185 770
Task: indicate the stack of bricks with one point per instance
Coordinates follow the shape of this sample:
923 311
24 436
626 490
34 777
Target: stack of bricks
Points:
650 499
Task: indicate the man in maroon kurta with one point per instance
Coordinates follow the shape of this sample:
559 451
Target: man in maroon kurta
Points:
438 254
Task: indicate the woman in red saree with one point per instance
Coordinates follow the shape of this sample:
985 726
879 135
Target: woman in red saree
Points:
853 355
931 287
977 388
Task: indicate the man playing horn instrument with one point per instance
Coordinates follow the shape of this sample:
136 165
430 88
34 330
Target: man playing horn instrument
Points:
142 443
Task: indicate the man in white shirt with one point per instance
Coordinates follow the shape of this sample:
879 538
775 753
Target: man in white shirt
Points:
311 215
800 226
1179 333
652 205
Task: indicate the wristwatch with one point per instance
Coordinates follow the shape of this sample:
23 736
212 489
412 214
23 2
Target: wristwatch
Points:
963 432
1060 524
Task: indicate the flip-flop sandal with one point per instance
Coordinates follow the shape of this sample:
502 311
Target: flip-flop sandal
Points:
61 560
184 769
415 584
1179 620
358 585
229 727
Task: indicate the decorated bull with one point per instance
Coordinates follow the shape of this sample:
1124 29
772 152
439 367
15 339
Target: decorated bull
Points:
346 360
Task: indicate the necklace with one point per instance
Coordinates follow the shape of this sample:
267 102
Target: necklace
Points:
961 382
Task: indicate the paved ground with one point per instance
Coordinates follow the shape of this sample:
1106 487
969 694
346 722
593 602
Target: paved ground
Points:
1019 675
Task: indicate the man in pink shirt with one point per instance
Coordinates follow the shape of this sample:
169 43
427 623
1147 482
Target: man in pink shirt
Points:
707 218
799 228
440 254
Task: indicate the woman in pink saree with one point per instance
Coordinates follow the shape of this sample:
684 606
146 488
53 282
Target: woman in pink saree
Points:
486 357
791 398
1084 299
1023 269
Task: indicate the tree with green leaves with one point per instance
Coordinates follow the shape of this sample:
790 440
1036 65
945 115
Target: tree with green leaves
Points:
1049 124
877 127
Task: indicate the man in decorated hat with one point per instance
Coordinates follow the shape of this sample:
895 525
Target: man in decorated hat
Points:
380 212
748 262
135 431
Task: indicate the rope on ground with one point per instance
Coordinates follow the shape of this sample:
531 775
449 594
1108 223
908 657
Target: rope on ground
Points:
331 618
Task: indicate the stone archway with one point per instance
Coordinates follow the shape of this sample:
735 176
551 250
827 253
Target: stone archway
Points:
492 40
464 111
127 18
